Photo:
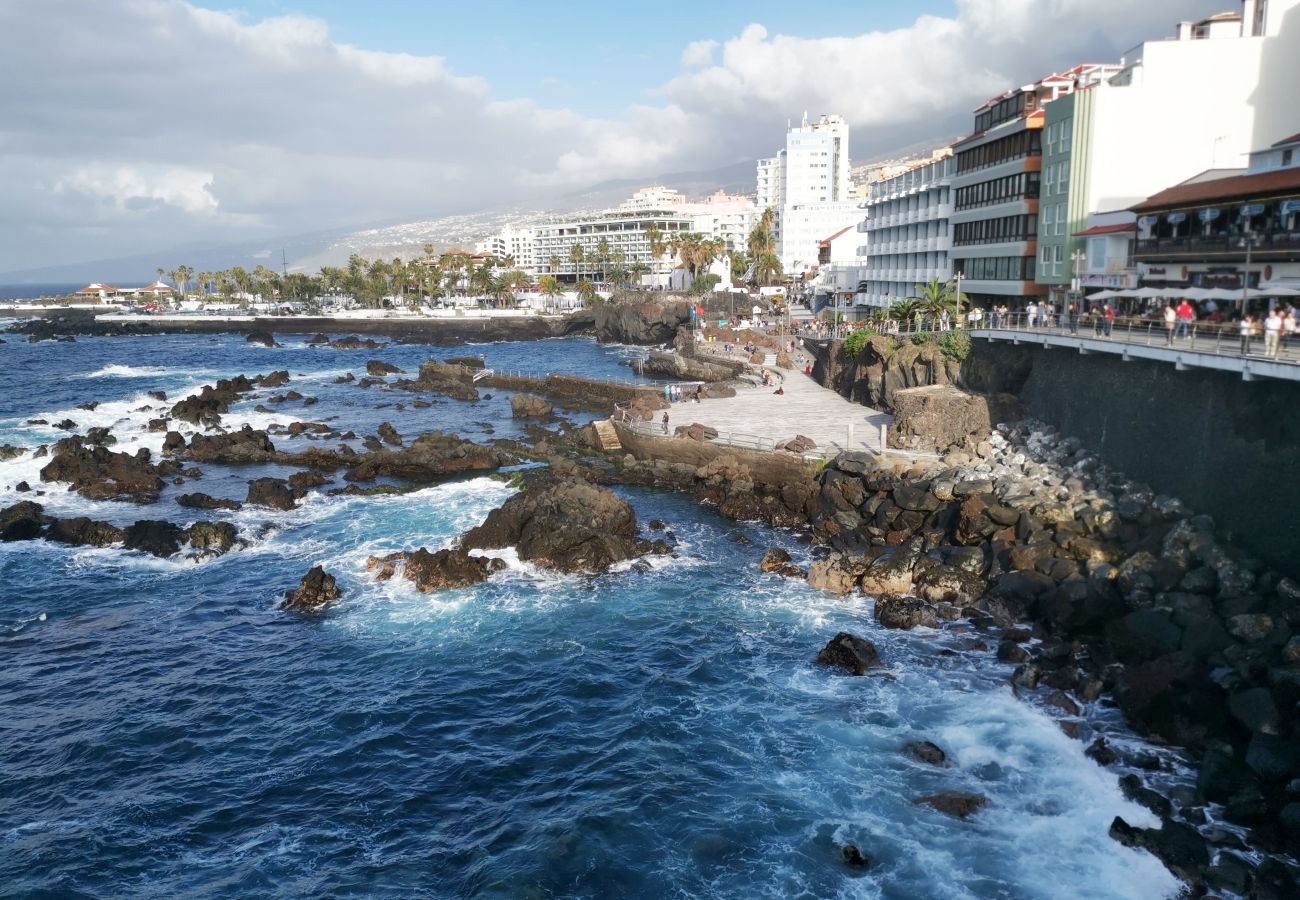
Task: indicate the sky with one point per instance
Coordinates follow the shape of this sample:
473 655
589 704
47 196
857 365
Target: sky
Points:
130 125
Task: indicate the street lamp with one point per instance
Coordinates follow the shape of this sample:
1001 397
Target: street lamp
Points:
1076 288
1247 241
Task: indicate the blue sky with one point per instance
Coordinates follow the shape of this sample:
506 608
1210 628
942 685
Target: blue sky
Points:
593 58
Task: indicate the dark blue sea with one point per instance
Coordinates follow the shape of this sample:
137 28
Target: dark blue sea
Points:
167 731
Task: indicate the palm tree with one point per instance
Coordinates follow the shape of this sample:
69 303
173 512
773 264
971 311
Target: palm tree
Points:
576 256
637 271
935 297
767 269
656 239
602 256
550 288
587 291
555 264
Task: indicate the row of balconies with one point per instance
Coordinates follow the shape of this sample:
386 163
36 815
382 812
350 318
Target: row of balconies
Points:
907 277
908 217
934 244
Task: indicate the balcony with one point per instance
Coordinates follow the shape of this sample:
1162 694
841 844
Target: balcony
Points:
1270 245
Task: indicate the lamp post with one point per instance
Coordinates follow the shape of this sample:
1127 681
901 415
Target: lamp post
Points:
957 279
1247 241
1076 288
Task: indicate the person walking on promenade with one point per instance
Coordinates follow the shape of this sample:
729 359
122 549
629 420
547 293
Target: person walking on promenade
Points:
1288 327
1171 319
1072 313
1272 333
1095 312
1108 319
664 421
1031 314
1246 328
1186 314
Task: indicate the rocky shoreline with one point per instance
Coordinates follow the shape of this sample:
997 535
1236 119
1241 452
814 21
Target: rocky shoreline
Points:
1098 591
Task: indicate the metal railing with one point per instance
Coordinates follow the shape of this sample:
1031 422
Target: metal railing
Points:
1214 338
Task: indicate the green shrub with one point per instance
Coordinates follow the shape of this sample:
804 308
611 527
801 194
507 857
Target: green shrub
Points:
955 344
854 343
920 338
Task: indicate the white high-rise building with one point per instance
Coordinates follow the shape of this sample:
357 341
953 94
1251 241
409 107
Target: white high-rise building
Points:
807 184
514 243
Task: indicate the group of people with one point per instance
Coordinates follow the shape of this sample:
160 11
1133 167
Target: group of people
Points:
675 393
1279 327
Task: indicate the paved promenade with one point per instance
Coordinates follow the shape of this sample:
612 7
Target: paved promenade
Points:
757 417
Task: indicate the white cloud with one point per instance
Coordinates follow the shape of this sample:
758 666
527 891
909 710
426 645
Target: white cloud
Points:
126 186
179 124
699 54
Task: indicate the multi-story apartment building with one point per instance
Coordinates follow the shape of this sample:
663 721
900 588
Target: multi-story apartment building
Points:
807 185
1171 109
512 243
906 236
996 188
625 232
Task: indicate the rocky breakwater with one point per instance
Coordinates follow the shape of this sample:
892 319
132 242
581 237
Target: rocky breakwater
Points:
26 521
564 524
684 364
641 319
1102 592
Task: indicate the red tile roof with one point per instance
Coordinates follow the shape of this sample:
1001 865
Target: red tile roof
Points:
1239 186
1107 229
1293 139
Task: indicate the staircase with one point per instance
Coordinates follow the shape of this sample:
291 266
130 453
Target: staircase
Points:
607 436
769 359
483 373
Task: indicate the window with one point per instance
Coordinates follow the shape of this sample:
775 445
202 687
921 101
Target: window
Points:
1286 157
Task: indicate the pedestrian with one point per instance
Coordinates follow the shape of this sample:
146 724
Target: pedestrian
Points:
1171 319
1031 314
1246 328
1288 327
1072 312
665 421
1109 317
1186 314
1272 333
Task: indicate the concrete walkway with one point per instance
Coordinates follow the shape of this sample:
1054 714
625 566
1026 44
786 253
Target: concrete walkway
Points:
806 408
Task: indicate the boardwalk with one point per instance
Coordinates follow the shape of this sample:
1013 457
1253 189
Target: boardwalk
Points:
757 417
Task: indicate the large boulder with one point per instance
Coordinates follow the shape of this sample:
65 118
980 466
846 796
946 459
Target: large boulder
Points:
200 500
380 368
207 406
22 522
261 338
960 804
243 447
429 457
853 654
316 589
155 537
905 612
100 474
440 570
213 538
529 406
565 524
85 532
274 493
938 417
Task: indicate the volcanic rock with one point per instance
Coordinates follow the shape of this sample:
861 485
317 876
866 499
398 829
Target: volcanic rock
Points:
213 537
316 589
850 653
564 524
101 474
529 406
905 612
381 368
85 532
271 492
954 803
203 501
152 536
22 522
262 338
927 752
440 570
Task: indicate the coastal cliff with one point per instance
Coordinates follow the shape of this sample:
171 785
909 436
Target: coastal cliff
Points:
640 319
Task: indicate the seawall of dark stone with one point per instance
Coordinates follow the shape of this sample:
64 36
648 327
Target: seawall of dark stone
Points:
1227 447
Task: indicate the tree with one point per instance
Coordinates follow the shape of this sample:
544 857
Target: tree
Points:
762 249
740 263
767 269
550 288
555 264
656 239
705 283
587 293
637 271
576 256
602 257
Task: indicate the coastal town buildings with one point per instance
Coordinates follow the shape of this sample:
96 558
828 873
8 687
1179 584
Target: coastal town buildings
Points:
624 231
807 185
1171 109
996 187
512 243
906 236
1227 230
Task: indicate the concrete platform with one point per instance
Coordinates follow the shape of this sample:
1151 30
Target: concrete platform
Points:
806 408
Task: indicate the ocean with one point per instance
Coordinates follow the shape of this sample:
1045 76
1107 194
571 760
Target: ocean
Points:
34 291
169 731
